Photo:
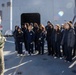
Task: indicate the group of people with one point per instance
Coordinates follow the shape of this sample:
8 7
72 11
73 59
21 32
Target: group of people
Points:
61 40
30 36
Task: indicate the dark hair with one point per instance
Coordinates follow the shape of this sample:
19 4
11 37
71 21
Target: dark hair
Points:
31 24
16 26
71 22
48 22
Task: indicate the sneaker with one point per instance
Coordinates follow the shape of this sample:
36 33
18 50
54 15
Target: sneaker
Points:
36 52
21 55
55 57
60 57
32 54
65 61
68 61
15 51
24 54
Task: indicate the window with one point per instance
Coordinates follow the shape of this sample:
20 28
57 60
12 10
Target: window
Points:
3 5
8 4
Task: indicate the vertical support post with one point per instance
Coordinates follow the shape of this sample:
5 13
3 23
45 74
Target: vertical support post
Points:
11 15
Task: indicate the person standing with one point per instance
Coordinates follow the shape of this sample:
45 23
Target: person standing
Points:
49 29
2 42
41 39
25 36
68 40
62 32
30 39
35 29
15 37
56 41
19 41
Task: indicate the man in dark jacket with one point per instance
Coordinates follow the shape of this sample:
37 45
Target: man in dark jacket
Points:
49 29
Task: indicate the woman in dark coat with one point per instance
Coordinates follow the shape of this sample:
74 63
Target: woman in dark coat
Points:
41 37
56 40
24 29
68 40
35 29
19 41
15 37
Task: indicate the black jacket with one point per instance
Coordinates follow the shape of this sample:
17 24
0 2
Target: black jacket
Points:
41 36
19 36
30 36
70 38
49 32
15 34
25 34
56 36
35 29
